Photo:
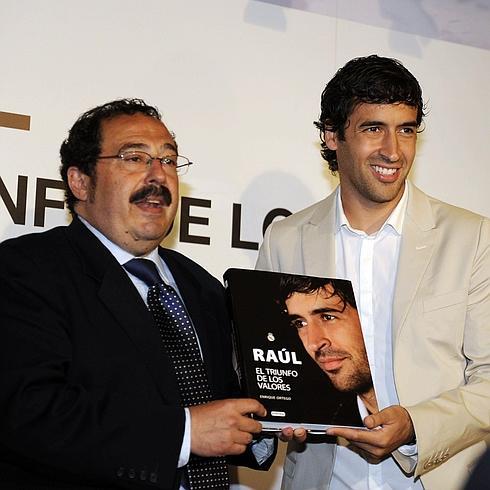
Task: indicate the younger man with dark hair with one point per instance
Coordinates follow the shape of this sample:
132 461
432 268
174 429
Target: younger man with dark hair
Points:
420 269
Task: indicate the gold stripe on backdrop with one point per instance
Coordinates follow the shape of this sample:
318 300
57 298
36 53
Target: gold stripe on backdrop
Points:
15 121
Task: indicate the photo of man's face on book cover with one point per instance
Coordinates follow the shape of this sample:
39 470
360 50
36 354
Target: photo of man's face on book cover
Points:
300 349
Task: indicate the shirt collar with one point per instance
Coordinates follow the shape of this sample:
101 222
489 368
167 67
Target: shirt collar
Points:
394 220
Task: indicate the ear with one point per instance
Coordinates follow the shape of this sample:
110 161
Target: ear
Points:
331 139
79 183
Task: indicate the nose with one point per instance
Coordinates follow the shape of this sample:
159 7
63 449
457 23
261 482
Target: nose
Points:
317 337
156 172
390 147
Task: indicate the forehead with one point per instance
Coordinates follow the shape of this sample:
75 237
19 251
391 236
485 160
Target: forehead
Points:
137 129
398 113
322 298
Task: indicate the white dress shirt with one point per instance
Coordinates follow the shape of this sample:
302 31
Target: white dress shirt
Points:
370 262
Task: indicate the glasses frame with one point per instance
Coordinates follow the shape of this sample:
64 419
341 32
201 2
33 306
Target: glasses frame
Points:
180 169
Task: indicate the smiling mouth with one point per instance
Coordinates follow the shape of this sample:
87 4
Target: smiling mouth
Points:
384 170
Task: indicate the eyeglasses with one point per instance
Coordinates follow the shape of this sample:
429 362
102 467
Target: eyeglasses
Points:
140 160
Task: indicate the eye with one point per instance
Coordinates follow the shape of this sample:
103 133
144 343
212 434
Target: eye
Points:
327 317
372 129
134 157
408 130
298 323
170 160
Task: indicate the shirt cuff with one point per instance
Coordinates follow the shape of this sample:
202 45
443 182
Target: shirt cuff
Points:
409 450
262 449
185 450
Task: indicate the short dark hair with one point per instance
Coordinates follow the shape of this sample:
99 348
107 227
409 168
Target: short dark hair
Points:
371 79
82 147
290 284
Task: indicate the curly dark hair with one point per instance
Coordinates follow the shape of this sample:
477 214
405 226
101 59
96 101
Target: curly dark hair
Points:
82 147
371 79
290 284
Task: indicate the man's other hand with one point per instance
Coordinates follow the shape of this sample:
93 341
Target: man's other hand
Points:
390 428
288 434
222 427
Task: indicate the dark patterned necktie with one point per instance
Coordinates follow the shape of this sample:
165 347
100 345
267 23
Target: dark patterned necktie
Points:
180 343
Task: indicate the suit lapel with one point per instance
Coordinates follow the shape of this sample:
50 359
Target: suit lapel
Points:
135 319
417 246
122 300
318 240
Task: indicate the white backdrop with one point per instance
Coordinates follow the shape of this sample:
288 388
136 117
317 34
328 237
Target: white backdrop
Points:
239 82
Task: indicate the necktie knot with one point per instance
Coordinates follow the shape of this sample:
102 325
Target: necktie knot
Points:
144 269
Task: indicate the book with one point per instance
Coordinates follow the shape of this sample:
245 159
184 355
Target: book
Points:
299 349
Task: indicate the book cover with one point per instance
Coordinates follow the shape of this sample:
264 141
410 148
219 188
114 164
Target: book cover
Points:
299 349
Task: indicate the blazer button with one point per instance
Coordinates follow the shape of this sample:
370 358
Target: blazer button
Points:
143 475
120 472
153 477
131 473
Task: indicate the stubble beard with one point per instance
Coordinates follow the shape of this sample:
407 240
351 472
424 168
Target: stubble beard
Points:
358 381
378 192
363 183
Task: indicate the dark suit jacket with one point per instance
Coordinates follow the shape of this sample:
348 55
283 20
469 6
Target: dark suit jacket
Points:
87 396
480 478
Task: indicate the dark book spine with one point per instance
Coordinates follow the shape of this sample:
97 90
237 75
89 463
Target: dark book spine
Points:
239 361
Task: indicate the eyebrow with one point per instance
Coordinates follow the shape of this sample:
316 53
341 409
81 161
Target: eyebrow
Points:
381 123
319 311
316 311
143 146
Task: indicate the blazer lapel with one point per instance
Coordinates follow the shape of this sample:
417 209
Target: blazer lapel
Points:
134 318
318 240
417 246
122 300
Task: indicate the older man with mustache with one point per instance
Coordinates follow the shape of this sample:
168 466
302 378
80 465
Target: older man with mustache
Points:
116 364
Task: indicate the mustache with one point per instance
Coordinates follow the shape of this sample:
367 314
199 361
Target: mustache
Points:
327 352
152 190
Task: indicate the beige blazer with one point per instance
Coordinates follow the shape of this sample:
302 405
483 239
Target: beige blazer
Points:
441 332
